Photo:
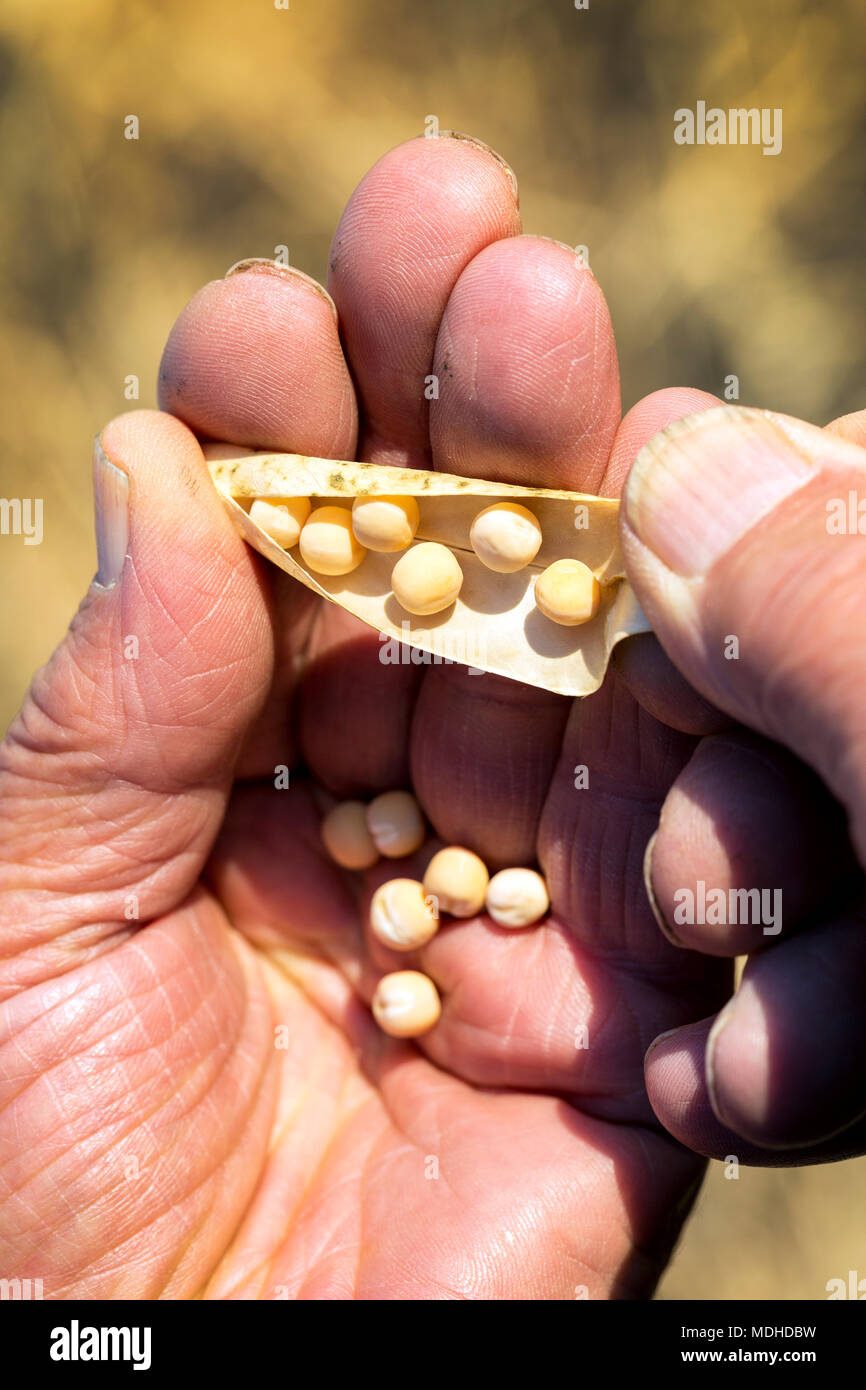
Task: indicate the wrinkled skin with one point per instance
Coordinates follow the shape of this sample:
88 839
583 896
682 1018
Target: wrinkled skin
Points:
195 1101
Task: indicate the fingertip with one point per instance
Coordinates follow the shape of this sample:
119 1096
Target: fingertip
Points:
188 568
261 265
660 688
744 1076
850 427
674 1076
676 1082
737 1065
718 473
414 222
168 479
489 152
255 359
783 1070
649 415
151 434
527 353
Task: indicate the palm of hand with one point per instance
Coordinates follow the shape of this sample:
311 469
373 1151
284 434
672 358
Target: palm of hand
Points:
202 1104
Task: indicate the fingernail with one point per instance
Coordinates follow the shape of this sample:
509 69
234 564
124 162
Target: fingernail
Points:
260 265
650 892
488 149
701 484
715 1033
111 503
537 236
660 1039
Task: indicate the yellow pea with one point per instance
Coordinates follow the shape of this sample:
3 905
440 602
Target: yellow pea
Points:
567 592
327 542
282 518
427 579
396 824
346 837
517 897
458 880
506 537
402 916
406 1004
385 523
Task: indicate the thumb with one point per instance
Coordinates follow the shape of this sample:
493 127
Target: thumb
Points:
114 775
745 539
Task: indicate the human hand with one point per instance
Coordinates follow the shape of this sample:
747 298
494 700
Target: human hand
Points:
744 538
169 916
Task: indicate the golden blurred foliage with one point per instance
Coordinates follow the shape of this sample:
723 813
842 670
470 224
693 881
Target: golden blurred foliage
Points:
256 122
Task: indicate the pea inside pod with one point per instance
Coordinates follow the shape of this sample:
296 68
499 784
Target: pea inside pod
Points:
492 621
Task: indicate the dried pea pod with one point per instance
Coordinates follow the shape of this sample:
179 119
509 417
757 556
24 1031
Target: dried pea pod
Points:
494 625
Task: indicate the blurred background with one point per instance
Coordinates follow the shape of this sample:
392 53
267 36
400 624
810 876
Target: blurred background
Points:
255 125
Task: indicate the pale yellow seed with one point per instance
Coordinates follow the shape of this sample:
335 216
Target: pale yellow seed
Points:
396 824
458 880
346 837
385 523
427 578
568 592
517 897
506 537
328 543
406 1004
402 916
282 518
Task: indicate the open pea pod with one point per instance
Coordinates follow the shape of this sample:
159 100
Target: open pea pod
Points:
494 625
